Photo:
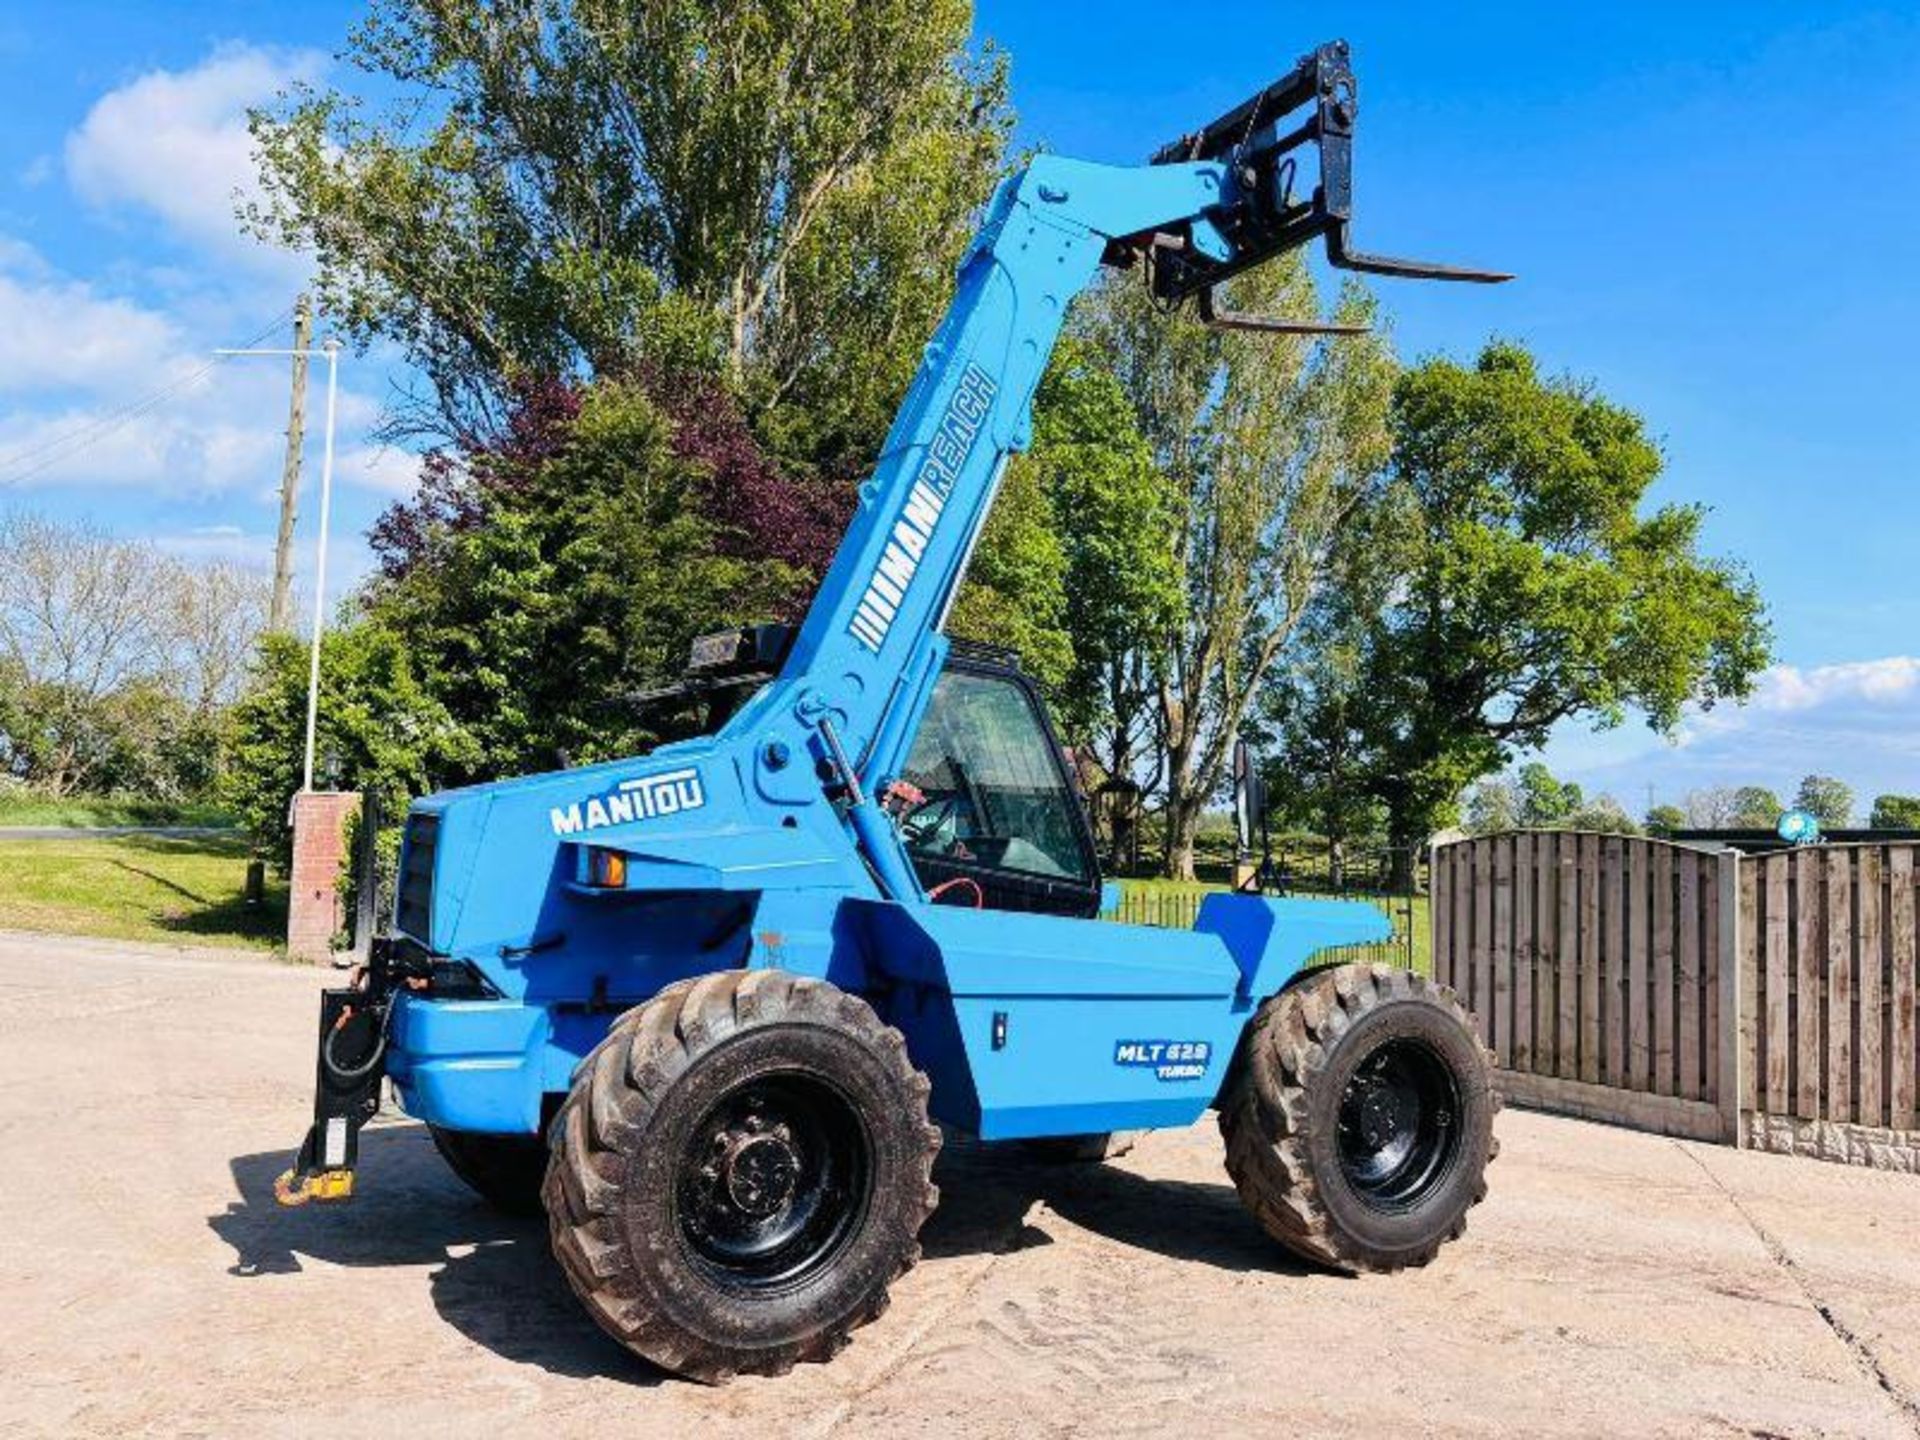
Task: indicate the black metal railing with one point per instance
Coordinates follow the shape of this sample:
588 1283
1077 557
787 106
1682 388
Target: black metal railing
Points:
1396 886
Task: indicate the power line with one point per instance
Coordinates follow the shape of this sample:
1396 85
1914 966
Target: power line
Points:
47 453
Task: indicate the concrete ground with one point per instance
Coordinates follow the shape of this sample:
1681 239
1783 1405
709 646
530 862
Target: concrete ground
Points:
1614 1283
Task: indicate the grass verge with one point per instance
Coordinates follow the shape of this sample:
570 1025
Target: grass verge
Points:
95 812
138 887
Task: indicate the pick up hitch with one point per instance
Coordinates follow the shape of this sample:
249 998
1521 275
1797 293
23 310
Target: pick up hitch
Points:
350 1065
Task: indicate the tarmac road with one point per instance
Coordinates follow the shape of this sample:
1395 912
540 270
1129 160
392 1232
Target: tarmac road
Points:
1614 1283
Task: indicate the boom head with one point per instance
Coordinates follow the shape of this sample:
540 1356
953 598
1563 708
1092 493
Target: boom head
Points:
1262 140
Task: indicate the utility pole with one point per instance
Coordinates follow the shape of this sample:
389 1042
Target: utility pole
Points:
280 616
330 348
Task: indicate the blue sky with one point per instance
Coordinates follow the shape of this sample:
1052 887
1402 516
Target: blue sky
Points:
1712 208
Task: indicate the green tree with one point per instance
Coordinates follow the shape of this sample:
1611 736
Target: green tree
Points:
1666 820
1754 807
1828 800
1533 798
1016 588
1895 812
778 189
379 729
1604 814
1546 803
1074 569
586 572
1314 779
1509 581
1493 805
1268 445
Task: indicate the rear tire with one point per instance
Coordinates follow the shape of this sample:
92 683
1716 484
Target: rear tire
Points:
1359 1120
741 1170
503 1170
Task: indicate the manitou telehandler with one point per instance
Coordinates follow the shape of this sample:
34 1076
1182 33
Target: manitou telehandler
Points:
704 1006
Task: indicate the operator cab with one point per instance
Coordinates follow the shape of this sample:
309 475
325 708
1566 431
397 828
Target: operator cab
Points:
999 809
992 815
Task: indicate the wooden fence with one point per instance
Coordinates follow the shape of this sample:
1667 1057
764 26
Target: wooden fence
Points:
1828 955
1767 1000
1592 964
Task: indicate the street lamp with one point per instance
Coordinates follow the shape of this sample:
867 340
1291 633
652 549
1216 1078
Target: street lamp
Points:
331 349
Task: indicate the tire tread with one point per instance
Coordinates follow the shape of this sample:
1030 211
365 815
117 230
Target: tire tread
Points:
622 1081
1265 1118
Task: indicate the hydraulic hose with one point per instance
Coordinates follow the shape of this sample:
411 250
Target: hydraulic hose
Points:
345 1076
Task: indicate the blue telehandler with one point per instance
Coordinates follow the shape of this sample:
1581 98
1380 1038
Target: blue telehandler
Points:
709 1007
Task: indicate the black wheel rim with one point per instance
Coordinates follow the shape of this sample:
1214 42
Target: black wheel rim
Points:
1399 1124
773 1182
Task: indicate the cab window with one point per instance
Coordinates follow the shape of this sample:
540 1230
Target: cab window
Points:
995 792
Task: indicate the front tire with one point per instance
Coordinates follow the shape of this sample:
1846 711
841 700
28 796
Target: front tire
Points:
503 1170
1359 1120
741 1170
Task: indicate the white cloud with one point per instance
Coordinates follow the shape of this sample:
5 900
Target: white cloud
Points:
61 334
115 395
1858 720
1867 682
185 451
175 143
381 469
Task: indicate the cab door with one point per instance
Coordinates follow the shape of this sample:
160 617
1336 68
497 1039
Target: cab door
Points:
998 819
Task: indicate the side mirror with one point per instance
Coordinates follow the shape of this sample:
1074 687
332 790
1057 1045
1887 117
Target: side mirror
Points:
1249 812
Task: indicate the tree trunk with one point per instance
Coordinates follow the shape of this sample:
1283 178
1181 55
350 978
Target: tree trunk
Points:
1403 837
1183 824
1185 800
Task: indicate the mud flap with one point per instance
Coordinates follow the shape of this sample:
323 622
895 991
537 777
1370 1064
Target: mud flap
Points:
349 1066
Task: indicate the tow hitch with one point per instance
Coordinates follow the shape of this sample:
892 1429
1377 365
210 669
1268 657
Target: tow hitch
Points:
351 1063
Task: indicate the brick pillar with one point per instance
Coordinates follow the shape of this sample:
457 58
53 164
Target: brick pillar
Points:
314 915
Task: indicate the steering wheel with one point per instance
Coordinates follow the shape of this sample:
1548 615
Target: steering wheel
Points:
921 823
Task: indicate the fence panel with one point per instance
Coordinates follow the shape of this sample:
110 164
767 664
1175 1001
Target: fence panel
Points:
1772 1062
1843 1003
1716 978
1839 900
1590 959
1869 1097
1689 965
1666 1000
1592 969
1805 1001
1903 960
1567 954
1524 952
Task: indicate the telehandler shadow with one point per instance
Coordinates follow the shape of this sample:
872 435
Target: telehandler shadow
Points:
498 1285
989 1195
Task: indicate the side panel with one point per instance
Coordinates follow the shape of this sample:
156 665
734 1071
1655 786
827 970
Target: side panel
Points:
1271 940
489 1065
1034 1025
